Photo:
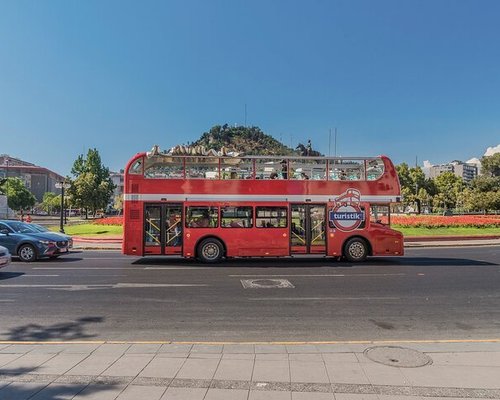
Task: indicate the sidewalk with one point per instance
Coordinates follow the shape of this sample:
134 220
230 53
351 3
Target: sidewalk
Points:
315 371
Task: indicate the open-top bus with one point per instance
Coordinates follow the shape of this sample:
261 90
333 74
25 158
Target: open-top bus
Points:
212 206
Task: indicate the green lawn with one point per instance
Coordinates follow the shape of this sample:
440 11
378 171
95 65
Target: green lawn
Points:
448 231
105 230
90 230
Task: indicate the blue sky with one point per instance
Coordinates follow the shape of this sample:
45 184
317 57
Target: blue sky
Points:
396 77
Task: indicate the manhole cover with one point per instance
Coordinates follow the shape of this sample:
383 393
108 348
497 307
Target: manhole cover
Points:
266 284
398 356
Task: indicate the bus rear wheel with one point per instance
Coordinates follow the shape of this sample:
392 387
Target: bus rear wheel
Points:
210 251
356 250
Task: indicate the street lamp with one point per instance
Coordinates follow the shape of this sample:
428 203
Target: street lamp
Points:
62 185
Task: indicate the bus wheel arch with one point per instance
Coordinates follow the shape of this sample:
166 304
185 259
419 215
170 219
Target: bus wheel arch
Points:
210 249
356 249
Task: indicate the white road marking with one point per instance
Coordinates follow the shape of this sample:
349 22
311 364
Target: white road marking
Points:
167 268
316 275
89 268
25 275
6 301
320 298
105 286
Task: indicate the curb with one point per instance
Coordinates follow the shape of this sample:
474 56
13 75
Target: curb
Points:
448 238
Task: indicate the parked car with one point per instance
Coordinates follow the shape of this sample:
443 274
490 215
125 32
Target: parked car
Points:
5 257
24 241
41 228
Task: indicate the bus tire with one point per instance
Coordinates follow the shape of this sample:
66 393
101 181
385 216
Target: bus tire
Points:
210 251
356 250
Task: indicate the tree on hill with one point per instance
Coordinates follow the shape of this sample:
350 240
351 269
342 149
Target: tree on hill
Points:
247 140
92 186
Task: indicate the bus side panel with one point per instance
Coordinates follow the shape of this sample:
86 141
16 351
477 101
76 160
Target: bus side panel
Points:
386 242
133 228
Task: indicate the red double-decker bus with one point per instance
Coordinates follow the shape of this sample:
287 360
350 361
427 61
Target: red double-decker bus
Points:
211 207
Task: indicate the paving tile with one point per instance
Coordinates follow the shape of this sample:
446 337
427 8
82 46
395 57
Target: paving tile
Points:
198 368
310 372
226 394
7 358
272 357
207 348
60 364
349 396
346 373
305 357
20 391
238 356
269 395
175 348
111 349
174 393
162 367
379 374
237 370
3 346
128 365
206 355
81 348
270 348
172 355
49 348
18 348
333 348
93 365
100 392
478 359
58 391
239 348
149 348
312 396
301 348
28 362
454 376
340 358
135 392
271 371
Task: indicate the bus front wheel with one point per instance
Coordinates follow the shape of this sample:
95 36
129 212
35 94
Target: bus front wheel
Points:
356 250
210 251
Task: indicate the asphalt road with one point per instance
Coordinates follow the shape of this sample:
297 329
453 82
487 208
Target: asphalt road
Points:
432 293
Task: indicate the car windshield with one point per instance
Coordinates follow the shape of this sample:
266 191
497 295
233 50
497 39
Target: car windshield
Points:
21 227
38 228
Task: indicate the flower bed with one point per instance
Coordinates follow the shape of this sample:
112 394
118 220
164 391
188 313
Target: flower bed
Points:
434 221
109 221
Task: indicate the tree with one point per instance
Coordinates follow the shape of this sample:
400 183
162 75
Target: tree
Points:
18 196
92 187
415 187
490 165
50 202
448 186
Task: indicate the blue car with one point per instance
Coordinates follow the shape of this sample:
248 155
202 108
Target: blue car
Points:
22 240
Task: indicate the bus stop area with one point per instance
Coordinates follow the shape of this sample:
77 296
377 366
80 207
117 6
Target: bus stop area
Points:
251 371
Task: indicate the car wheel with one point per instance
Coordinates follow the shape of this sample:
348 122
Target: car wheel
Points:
356 250
210 251
27 253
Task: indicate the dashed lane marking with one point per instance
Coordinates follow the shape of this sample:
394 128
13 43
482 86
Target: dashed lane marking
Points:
320 298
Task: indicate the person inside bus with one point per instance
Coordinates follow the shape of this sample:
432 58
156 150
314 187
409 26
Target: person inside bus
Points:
304 176
273 175
284 169
203 221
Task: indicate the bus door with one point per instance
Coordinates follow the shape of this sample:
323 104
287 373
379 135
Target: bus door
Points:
307 229
163 229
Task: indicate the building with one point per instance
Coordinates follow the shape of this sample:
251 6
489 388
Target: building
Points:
117 179
463 170
38 180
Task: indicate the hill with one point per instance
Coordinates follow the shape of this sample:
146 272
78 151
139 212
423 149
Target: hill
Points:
247 140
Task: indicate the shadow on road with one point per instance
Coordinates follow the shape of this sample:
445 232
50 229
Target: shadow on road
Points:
61 331
308 262
10 275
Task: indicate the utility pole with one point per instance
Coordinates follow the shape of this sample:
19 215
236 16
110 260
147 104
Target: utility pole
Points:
335 141
245 115
329 142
